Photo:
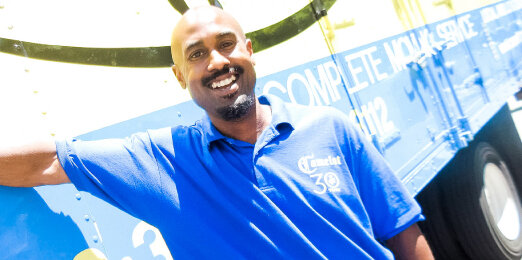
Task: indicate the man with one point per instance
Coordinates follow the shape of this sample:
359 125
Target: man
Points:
257 178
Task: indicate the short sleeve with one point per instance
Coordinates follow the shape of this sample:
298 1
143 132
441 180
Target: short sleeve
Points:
119 171
389 205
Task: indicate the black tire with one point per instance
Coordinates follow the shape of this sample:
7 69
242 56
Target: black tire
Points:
478 192
438 232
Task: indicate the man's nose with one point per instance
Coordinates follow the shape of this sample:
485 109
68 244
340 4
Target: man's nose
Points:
217 61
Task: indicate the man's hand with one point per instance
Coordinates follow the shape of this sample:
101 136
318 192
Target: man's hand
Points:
410 244
31 165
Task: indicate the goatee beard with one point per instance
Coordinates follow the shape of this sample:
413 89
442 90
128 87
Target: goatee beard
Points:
239 109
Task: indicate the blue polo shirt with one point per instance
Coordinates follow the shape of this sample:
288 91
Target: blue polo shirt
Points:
311 187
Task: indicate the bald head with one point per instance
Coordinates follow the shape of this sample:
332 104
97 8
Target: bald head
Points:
195 18
213 60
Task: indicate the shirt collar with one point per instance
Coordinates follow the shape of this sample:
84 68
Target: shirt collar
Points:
281 120
281 117
209 132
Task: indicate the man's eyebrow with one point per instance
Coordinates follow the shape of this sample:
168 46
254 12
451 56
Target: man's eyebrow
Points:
220 35
192 45
225 34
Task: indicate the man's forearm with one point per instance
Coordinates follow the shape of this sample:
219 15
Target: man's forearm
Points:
31 165
410 244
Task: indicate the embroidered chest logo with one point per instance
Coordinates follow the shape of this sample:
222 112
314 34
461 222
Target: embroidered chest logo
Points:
325 181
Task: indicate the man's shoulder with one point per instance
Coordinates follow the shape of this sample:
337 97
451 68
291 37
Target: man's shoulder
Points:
171 140
179 132
326 119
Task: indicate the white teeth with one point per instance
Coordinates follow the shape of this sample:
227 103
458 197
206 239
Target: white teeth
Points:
223 82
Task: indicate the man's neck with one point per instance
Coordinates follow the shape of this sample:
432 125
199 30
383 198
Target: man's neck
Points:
250 127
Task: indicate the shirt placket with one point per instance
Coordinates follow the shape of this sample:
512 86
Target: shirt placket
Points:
244 148
268 135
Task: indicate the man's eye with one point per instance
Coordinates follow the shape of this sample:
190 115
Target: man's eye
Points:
227 44
196 55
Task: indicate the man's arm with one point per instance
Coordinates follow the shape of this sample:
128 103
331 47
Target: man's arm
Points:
31 165
410 244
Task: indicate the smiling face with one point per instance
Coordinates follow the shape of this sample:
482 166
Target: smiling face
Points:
213 59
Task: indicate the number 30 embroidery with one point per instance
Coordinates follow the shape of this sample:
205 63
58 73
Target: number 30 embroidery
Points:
326 182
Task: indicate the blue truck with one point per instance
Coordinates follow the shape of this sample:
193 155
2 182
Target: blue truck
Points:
427 82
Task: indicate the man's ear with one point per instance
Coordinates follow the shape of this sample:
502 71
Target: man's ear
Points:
250 51
179 76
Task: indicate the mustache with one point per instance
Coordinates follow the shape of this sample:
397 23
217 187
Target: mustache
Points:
225 70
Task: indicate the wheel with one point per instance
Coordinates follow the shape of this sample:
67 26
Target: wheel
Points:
483 205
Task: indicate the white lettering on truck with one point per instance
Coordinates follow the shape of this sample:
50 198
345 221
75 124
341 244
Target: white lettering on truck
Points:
373 118
321 87
368 70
